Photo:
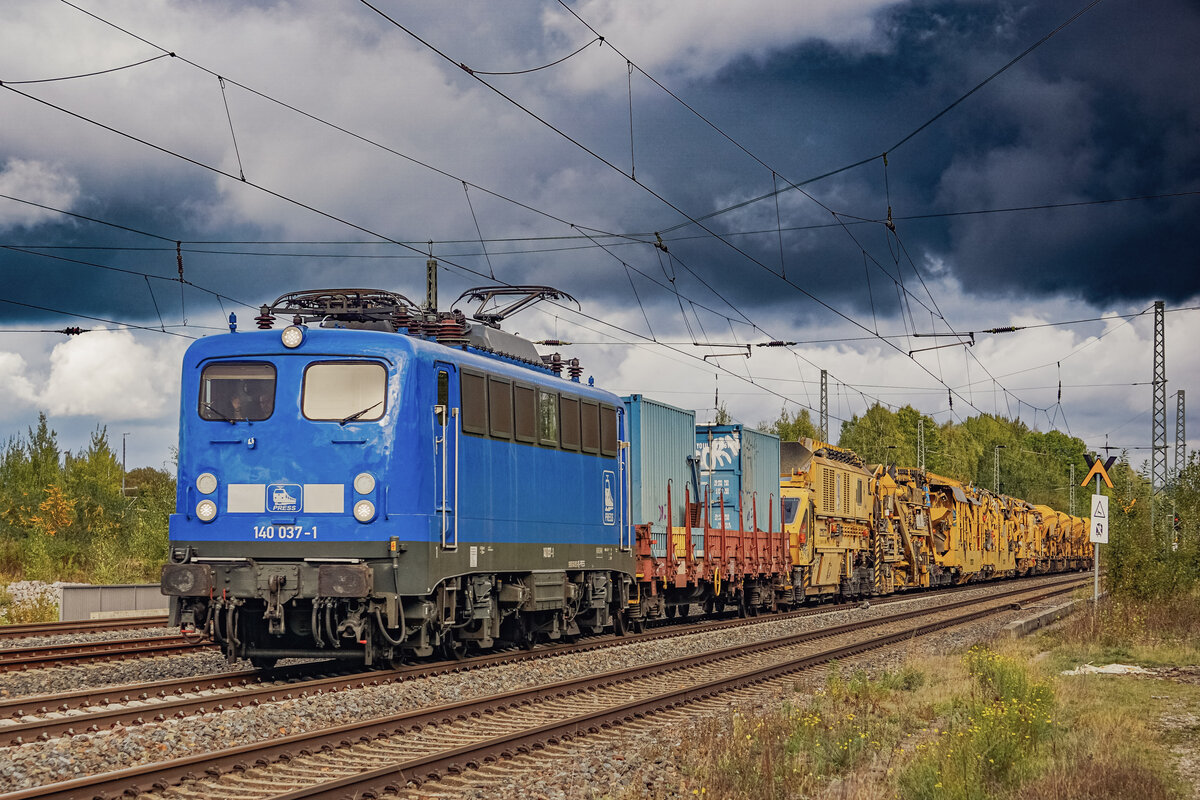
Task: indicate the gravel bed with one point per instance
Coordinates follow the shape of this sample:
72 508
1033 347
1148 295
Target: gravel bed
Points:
112 673
37 763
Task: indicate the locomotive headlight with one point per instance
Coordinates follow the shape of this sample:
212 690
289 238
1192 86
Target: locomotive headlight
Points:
364 511
206 483
206 510
292 336
364 483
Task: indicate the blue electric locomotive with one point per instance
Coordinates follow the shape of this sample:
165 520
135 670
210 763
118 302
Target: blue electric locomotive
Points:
379 480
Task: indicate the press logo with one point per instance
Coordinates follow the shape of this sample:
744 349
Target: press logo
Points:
284 497
610 502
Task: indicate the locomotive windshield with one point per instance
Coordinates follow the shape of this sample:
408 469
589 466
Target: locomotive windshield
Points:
790 506
345 391
231 392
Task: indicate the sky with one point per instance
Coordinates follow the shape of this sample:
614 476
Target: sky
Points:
701 177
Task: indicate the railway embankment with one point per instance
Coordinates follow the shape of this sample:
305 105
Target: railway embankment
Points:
975 713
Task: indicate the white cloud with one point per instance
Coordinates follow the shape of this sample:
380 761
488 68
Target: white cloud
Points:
112 376
698 39
16 390
36 182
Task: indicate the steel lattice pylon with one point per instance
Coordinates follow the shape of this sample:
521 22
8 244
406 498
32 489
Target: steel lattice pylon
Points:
1180 436
921 443
824 406
1158 430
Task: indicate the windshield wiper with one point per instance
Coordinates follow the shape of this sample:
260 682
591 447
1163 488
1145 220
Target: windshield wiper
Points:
209 406
358 414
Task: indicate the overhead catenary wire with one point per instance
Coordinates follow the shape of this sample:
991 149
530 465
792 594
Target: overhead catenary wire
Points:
317 119
1004 329
93 318
606 323
527 71
224 173
869 337
624 239
736 143
903 140
138 273
91 74
471 206
442 54
904 294
242 177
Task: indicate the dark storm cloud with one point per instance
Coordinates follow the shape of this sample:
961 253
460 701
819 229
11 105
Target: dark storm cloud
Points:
1106 109
109 256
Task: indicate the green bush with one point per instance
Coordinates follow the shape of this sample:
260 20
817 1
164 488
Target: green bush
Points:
994 739
64 516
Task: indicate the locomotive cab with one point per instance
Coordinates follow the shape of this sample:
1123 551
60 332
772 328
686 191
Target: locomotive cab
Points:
282 452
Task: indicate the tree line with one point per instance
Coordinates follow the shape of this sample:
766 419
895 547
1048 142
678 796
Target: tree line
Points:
64 516
1034 466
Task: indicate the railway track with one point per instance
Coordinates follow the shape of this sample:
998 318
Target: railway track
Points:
412 747
29 718
56 655
27 629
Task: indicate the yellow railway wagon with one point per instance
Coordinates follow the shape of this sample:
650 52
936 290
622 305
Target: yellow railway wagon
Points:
998 543
954 512
854 530
1025 525
902 530
1081 547
1056 528
827 500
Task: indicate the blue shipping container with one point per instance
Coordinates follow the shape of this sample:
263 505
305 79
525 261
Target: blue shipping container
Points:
735 461
661 441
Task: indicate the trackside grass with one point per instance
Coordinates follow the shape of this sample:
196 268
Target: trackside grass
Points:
36 607
995 721
991 738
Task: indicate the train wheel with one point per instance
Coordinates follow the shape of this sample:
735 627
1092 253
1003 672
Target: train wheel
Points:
620 628
452 650
525 634
262 662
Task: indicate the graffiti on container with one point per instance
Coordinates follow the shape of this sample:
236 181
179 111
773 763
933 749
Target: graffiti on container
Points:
719 452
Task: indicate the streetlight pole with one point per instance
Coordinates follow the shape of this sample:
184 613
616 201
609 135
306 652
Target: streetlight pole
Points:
123 435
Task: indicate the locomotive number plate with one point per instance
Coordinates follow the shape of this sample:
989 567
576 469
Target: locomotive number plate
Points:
284 532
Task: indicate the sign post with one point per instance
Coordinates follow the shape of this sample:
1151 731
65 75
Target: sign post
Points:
1100 519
